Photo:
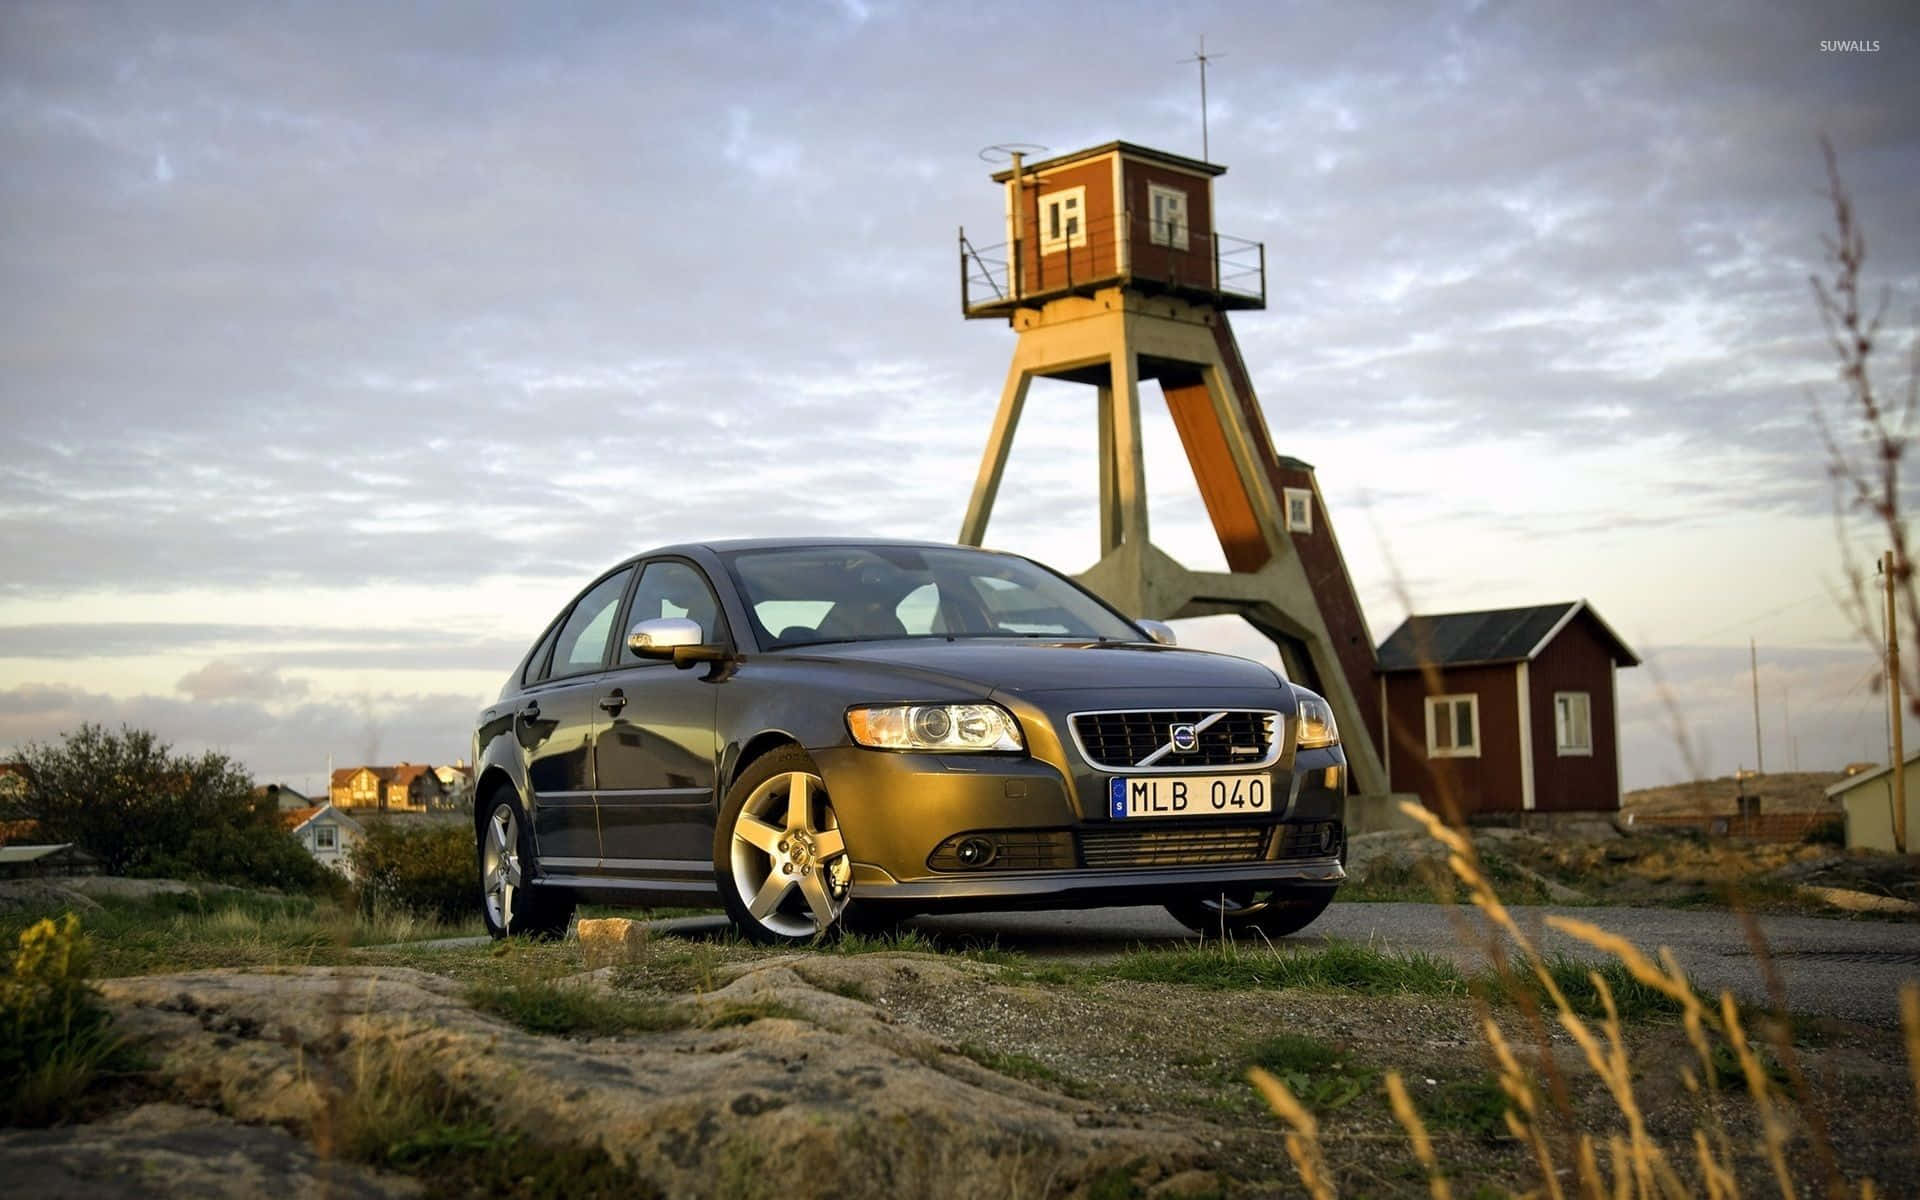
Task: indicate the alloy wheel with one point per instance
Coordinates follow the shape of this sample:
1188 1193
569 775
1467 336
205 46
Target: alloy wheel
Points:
789 860
500 866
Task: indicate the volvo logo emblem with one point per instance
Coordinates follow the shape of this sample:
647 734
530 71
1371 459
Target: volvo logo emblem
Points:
1186 739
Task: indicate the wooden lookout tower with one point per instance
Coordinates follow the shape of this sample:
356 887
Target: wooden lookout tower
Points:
1112 273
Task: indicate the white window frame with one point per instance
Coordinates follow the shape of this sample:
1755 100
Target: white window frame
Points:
326 837
1178 238
1304 524
1450 702
1070 204
1563 741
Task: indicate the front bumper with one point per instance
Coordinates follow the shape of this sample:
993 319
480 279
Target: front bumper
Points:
1083 888
898 810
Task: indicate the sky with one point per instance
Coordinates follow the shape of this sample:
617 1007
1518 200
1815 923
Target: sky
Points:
341 344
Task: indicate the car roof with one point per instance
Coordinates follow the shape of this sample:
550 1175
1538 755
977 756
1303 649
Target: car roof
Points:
730 545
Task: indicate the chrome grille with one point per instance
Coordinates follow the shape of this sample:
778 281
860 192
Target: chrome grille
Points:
1173 847
1143 739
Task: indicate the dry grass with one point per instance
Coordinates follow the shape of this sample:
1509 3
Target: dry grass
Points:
1623 1159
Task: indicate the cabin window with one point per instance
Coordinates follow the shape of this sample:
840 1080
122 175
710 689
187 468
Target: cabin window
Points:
326 837
1168 210
1063 220
1299 510
1573 722
1453 726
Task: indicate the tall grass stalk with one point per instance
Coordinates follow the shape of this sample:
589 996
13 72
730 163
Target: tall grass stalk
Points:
1637 1164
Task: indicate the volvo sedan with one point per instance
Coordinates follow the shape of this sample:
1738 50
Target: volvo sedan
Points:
832 734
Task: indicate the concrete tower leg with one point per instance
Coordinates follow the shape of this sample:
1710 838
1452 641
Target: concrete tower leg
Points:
1111 341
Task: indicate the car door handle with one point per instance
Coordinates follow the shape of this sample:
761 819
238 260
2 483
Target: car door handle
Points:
613 702
530 711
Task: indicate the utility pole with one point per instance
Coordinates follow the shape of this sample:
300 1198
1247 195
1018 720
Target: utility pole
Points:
1753 664
1896 718
1793 747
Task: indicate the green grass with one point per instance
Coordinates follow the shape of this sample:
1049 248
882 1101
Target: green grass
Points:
746 1012
1472 1105
1323 1076
1016 1065
395 1111
543 1004
1634 1000
1336 966
188 931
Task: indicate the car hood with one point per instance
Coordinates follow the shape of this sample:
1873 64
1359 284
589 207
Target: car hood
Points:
1026 667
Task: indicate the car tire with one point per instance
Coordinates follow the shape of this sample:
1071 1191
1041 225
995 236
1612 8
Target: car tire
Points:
510 904
1276 912
779 858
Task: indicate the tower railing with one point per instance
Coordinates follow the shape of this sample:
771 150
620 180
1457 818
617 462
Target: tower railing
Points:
1126 249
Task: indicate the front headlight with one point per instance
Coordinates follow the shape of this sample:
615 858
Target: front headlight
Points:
1316 722
942 727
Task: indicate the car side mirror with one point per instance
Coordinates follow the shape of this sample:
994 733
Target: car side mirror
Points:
676 638
659 637
1160 632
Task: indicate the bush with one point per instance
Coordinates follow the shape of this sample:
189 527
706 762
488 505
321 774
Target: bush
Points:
54 1035
430 871
128 800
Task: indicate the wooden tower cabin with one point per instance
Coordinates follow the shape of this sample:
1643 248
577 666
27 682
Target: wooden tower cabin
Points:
1112 273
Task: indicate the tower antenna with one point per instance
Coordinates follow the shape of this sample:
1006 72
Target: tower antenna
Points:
1203 58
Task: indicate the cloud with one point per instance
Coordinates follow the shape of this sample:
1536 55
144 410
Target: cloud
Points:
232 681
281 742
361 298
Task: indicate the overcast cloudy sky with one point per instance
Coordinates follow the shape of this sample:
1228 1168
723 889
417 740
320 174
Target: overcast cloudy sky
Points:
340 344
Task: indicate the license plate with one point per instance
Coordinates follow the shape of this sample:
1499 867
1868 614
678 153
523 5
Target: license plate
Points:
1188 796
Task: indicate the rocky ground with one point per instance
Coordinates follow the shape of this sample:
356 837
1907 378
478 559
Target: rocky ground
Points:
895 1072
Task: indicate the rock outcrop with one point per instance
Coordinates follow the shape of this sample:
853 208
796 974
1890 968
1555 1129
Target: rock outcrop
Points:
835 1100
174 1150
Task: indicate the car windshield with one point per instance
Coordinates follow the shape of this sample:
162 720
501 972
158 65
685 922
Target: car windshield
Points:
812 594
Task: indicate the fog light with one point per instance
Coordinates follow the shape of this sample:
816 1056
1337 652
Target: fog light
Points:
1329 837
974 852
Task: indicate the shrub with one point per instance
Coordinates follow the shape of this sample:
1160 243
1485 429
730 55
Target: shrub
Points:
54 1035
430 871
128 800
265 855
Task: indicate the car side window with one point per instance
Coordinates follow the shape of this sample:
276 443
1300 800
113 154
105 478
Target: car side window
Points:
670 588
583 638
537 661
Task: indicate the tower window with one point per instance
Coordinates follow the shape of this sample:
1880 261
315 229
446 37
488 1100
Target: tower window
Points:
1167 208
1063 220
1299 504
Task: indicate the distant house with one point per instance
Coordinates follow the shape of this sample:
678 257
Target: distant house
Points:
1867 799
457 783
22 862
327 833
407 787
1518 715
282 797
